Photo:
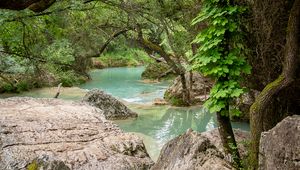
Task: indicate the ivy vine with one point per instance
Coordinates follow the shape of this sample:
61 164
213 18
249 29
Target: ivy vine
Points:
222 52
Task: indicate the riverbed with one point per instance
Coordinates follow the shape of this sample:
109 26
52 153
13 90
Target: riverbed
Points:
155 124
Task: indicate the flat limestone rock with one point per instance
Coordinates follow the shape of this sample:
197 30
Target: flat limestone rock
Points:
57 134
113 108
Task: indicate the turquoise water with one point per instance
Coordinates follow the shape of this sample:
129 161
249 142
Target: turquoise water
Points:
155 124
125 83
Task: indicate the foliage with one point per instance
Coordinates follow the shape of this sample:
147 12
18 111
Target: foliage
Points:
222 52
124 57
69 78
62 38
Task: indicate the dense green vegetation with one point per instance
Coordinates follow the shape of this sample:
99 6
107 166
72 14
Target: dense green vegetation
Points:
124 57
58 42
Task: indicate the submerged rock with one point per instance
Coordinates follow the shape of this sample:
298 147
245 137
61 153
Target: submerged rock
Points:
113 108
57 134
159 102
201 87
194 150
280 146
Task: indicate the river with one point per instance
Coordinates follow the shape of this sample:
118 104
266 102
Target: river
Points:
155 124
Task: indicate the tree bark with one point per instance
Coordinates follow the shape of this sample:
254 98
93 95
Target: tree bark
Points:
259 110
108 41
227 137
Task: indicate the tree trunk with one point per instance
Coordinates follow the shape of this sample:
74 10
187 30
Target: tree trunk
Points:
259 110
185 91
227 137
177 67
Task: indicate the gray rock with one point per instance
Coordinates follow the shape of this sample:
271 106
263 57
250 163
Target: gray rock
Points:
244 103
52 133
201 87
280 146
113 108
194 150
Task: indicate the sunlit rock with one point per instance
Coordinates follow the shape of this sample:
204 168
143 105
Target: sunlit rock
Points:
45 133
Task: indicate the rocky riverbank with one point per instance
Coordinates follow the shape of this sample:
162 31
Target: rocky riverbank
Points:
48 133
51 134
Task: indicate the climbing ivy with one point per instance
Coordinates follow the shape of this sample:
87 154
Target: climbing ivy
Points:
222 52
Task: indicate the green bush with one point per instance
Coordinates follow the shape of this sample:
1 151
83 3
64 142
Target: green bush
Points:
124 58
8 88
69 79
23 86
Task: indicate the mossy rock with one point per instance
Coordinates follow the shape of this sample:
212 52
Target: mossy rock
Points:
173 100
46 164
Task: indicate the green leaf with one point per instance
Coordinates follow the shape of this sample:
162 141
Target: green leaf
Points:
247 69
235 112
236 92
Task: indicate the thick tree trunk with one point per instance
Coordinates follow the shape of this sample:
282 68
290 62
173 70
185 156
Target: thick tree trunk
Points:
259 110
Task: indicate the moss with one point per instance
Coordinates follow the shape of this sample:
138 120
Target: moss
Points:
256 113
44 164
33 165
175 101
265 91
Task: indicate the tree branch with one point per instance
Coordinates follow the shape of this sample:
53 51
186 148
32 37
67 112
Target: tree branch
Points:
108 41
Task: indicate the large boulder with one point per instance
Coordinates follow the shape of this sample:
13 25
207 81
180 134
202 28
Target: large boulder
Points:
200 90
280 146
194 150
56 134
113 108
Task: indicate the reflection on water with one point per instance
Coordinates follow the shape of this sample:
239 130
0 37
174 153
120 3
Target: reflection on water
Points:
159 124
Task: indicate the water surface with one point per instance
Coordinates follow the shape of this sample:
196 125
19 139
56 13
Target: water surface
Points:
126 84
